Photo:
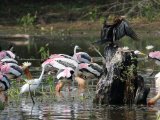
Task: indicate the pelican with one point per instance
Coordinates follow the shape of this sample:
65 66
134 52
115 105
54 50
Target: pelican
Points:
6 54
4 86
81 57
115 31
64 65
153 100
93 68
9 60
156 56
13 70
64 76
61 63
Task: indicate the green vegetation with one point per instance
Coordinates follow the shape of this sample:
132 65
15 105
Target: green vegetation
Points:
44 51
46 12
27 20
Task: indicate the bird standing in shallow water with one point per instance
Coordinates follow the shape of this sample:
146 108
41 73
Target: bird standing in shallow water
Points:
153 100
156 56
32 84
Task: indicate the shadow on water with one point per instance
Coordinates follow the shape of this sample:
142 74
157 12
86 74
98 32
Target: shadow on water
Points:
52 108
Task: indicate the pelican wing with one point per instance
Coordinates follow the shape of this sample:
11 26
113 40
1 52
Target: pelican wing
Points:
155 55
64 73
9 60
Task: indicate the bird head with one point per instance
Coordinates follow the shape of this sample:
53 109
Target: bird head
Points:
26 64
77 47
25 68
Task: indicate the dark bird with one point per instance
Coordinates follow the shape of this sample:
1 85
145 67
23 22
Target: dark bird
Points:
115 31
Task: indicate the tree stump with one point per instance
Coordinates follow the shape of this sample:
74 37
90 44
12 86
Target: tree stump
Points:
120 82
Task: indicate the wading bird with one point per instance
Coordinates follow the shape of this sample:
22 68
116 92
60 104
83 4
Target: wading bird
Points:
115 31
156 56
63 65
93 68
64 76
4 86
32 84
6 54
153 100
81 57
13 70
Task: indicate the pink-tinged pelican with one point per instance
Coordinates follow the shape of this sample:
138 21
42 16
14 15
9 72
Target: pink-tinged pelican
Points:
93 68
153 100
81 57
13 70
64 76
4 86
61 63
7 54
64 65
155 55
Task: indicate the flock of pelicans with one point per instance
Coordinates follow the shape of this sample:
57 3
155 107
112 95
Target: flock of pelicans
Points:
67 69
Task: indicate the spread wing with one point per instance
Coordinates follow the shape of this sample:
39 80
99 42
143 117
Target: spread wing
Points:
123 29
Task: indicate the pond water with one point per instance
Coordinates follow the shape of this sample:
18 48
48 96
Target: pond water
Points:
72 106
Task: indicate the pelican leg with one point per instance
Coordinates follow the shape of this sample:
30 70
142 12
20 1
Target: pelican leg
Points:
3 97
59 86
81 84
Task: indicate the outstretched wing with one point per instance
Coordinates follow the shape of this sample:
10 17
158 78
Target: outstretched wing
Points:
122 29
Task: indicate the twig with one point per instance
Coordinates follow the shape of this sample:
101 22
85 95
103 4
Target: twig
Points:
98 51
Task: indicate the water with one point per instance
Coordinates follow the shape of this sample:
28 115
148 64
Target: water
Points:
48 106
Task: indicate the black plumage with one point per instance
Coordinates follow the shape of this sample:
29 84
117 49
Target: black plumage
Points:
115 31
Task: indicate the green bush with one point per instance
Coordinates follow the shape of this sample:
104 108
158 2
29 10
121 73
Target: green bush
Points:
27 20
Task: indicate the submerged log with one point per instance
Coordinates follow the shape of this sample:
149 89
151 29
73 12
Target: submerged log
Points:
120 82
